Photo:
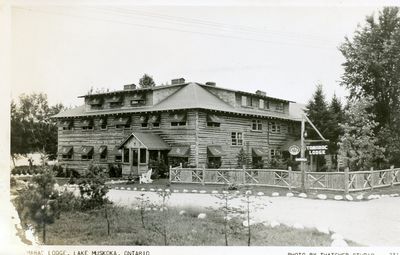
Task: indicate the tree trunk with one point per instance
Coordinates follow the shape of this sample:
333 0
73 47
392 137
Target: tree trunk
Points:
13 159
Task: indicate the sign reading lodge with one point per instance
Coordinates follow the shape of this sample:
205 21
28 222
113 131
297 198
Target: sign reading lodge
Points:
317 149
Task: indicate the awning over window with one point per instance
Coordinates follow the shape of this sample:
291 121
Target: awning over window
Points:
289 143
143 119
103 121
178 117
121 120
215 151
66 150
182 152
260 152
65 123
154 119
138 97
95 101
114 99
86 150
102 149
213 118
85 123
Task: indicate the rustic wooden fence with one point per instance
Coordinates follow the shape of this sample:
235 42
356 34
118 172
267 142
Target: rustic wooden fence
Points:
335 181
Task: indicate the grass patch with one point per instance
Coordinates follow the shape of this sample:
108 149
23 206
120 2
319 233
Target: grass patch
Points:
89 228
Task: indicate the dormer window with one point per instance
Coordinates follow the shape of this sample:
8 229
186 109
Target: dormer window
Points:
279 107
122 122
138 100
213 120
66 124
143 120
115 101
154 120
178 119
95 102
86 124
103 123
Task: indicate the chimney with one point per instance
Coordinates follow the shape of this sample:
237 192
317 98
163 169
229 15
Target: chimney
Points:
129 87
261 93
177 81
211 83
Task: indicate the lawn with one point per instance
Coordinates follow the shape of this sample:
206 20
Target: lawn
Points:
90 228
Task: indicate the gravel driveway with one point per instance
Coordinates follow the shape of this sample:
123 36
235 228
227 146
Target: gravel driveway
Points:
372 223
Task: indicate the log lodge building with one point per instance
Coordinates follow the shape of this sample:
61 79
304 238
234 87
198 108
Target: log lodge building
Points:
198 125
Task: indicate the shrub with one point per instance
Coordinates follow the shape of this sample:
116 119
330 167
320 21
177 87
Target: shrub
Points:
67 201
160 169
114 170
13 182
58 170
93 189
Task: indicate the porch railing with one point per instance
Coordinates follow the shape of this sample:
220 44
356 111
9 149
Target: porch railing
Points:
335 181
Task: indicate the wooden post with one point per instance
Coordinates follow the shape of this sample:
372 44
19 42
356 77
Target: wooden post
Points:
372 179
170 173
392 175
290 177
204 175
244 174
346 181
302 155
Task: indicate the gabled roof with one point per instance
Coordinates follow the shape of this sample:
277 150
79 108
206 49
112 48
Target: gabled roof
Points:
189 96
192 96
149 140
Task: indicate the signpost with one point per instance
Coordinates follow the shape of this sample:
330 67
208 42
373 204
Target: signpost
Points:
301 159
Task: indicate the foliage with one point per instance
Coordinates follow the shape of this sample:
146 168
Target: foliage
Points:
93 189
144 202
160 169
161 225
229 212
317 112
38 203
67 201
358 145
276 162
242 158
32 129
372 66
146 81
27 170
114 170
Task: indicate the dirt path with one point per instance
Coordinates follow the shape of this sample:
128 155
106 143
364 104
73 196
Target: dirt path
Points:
372 223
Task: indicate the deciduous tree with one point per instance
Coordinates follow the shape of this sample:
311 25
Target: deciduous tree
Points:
146 81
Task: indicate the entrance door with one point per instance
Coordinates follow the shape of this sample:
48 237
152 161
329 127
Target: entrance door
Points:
135 161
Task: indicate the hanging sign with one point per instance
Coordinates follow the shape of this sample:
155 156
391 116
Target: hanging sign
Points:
294 149
317 149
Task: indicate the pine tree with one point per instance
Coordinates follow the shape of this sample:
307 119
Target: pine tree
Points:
334 131
317 112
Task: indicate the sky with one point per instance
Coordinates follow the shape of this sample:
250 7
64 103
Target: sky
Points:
285 51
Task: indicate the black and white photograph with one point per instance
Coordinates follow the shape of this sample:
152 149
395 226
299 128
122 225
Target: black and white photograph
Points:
129 126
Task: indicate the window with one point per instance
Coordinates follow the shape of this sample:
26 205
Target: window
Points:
237 138
178 119
67 156
244 100
274 153
126 155
178 124
261 104
115 104
103 153
118 155
213 124
145 125
143 156
267 105
275 127
156 125
256 125
257 162
87 157
213 162
103 124
279 107
87 127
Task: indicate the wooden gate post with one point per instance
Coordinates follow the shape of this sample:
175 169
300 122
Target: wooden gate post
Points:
392 175
170 173
244 174
346 181
204 175
372 178
290 178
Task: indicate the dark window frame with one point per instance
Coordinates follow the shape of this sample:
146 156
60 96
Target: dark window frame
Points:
237 138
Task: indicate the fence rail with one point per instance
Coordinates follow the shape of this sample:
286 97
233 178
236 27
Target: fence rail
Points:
335 181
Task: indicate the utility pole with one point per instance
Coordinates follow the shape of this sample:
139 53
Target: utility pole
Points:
302 154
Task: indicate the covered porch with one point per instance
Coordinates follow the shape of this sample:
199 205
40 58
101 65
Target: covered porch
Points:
139 149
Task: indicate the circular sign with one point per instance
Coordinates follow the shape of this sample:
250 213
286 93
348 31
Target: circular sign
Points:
294 149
